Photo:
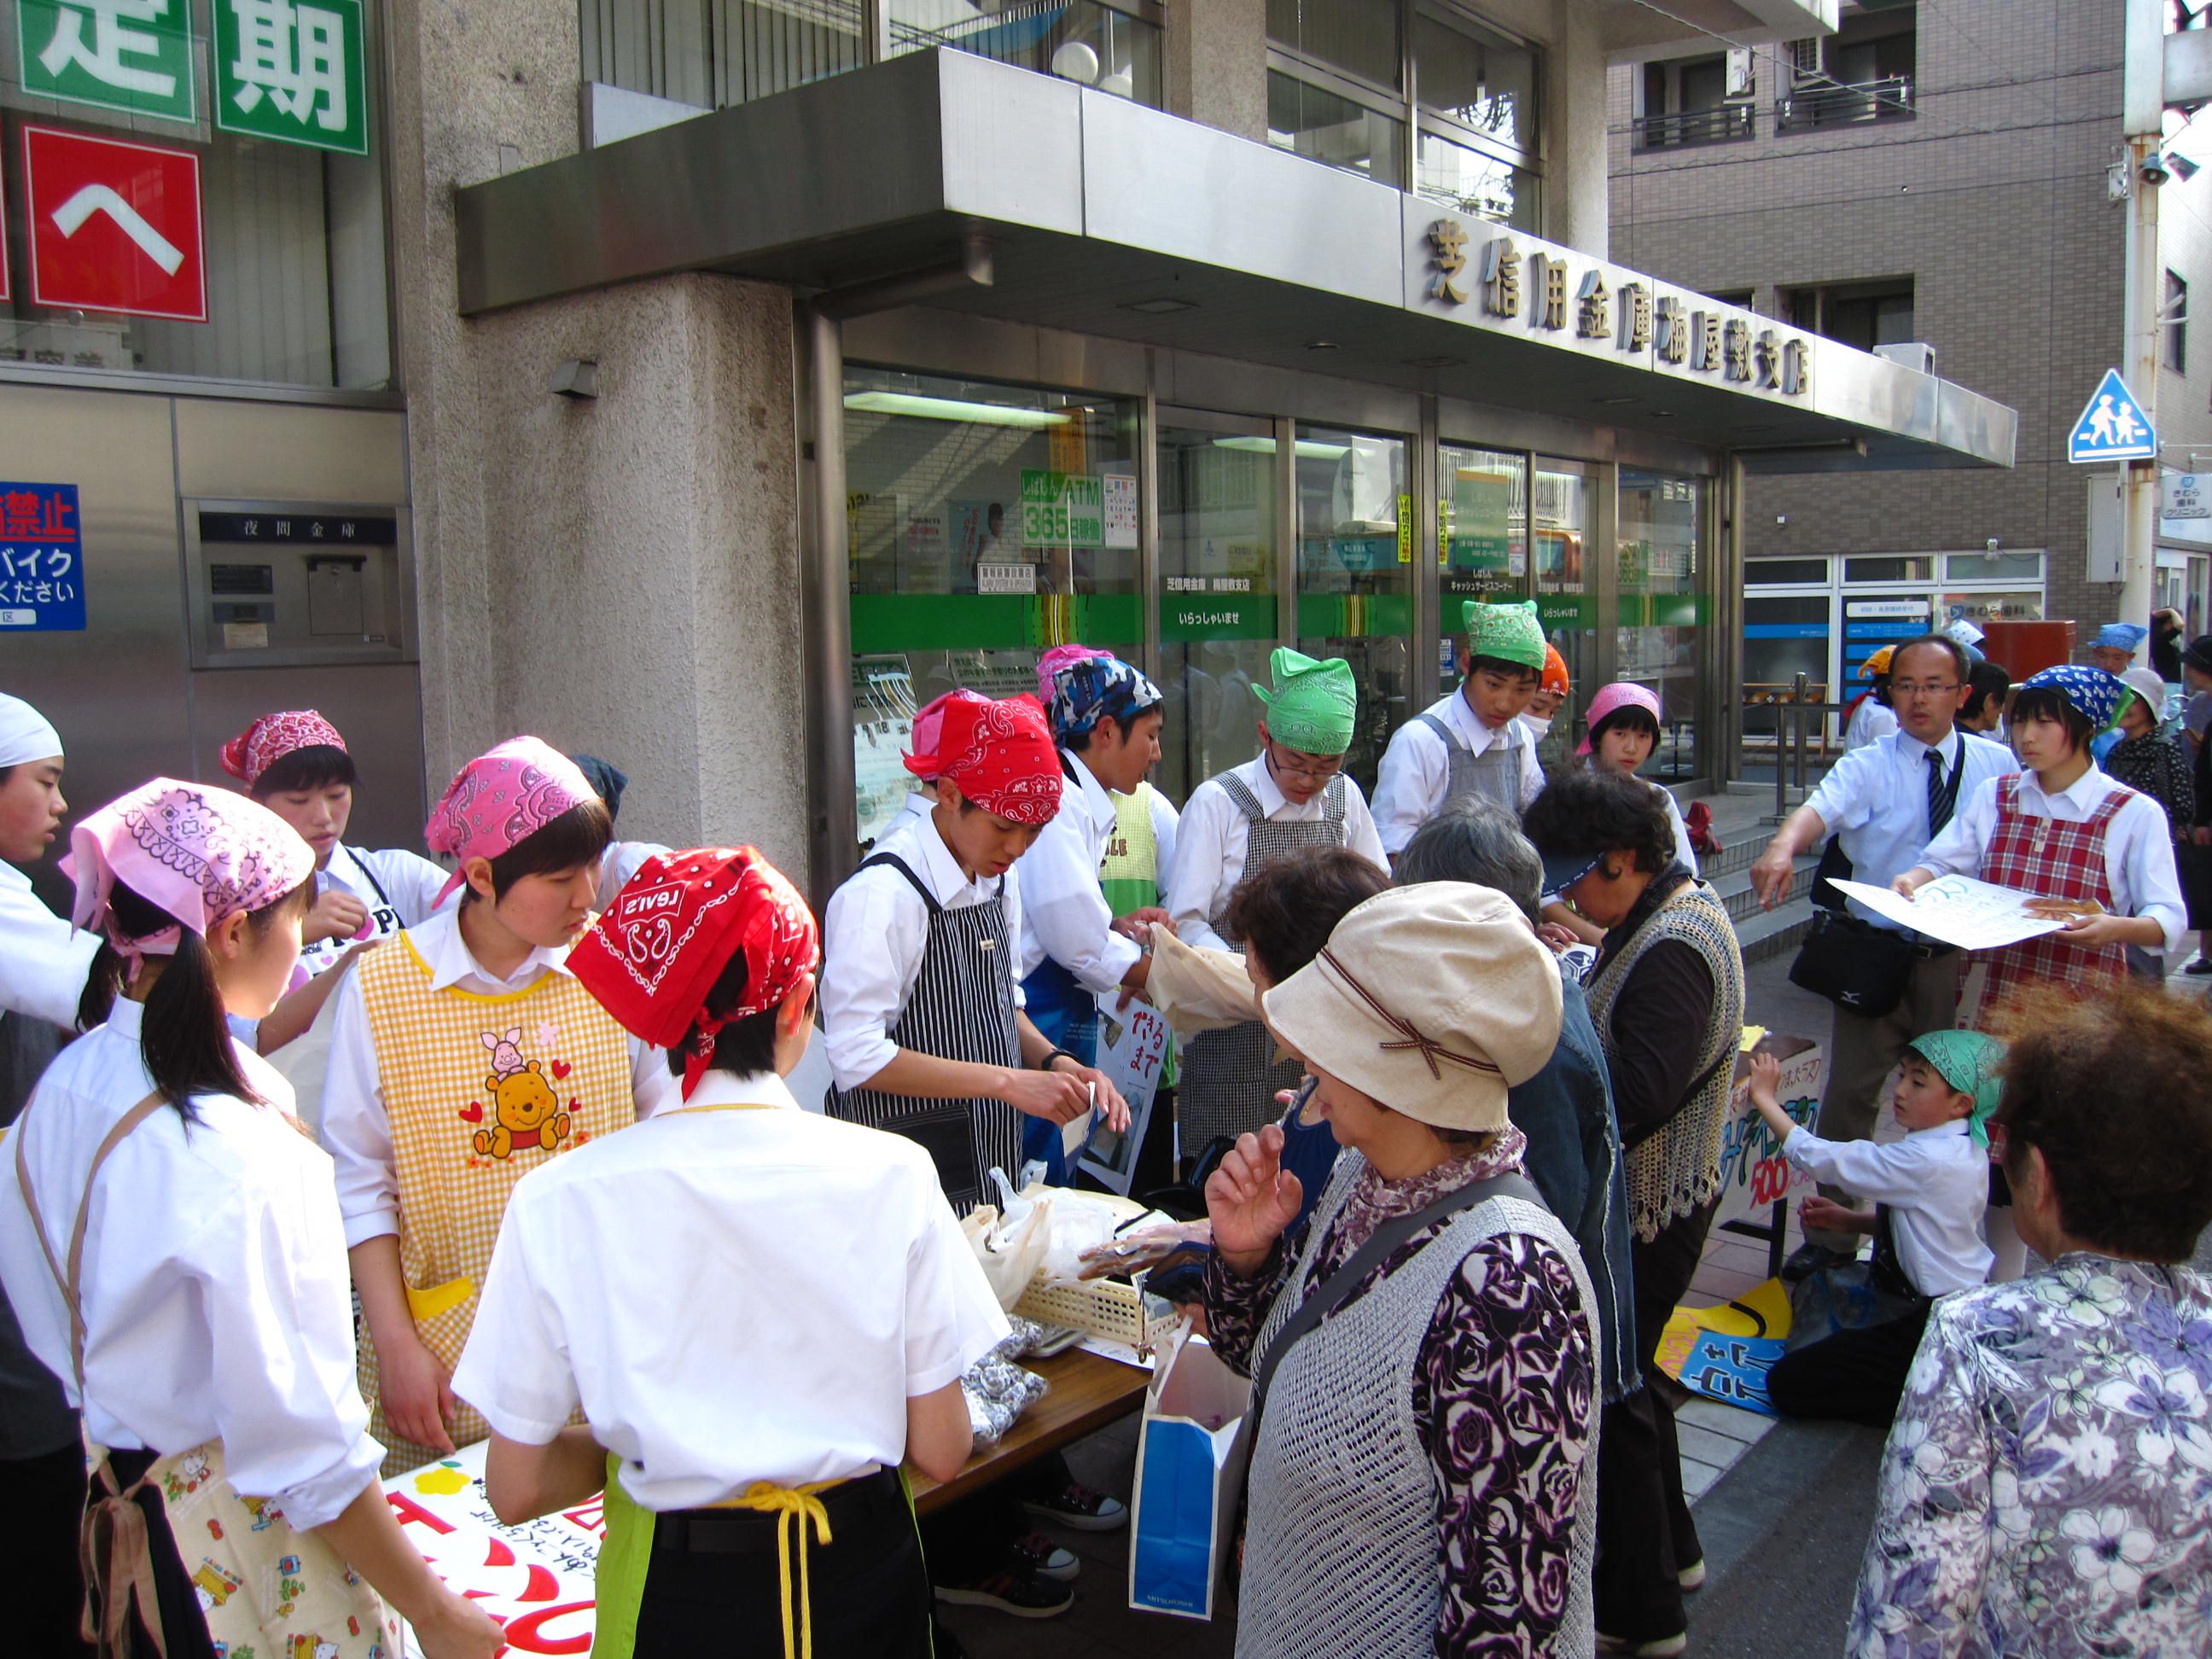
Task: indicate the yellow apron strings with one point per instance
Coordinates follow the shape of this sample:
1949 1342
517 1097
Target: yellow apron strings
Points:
793 1508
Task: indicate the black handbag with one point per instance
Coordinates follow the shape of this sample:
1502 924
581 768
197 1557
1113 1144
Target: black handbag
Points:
1856 965
1834 866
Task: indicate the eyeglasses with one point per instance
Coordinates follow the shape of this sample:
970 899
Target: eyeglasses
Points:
1919 688
1317 771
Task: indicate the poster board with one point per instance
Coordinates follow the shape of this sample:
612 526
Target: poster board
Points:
536 1579
1754 1172
1133 1049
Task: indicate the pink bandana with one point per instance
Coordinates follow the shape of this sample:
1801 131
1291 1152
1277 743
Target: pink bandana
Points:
201 854
1050 664
272 737
501 797
1621 694
928 732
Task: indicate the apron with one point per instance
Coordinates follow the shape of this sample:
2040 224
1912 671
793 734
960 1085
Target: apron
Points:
479 1090
1129 875
960 1007
2051 859
1494 774
1230 1076
258 1580
384 920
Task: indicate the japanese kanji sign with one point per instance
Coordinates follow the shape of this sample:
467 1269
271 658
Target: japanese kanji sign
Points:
41 557
114 226
1062 509
130 55
292 71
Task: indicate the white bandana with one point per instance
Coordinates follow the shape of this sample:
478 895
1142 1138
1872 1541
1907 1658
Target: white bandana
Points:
25 733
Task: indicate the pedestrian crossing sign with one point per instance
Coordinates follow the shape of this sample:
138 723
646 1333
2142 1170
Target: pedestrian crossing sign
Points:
2112 426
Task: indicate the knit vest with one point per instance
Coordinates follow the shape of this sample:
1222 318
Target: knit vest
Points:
1340 1556
1672 1172
1129 874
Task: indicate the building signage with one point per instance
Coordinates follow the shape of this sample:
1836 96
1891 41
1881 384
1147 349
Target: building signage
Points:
41 557
1121 508
114 225
135 56
2112 427
292 71
1062 509
2188 495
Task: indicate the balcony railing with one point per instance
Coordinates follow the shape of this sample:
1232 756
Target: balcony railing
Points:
1722 124
1889 100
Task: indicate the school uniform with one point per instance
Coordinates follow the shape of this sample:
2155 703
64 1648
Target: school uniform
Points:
400 890
446 1083
915 955
1070 954
1447 754
43 960
1870 722
1235 825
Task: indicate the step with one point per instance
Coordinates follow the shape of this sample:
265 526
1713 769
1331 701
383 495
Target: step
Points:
1774 933
1733 889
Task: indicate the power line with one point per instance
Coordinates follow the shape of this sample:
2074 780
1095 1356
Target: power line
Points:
1988 57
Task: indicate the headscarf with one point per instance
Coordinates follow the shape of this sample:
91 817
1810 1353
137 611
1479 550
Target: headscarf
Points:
657 952
201 854
25 733
272 737
1878 663
1611 700
1313 704
1089 689
607 780
1555 677
1050 664
1509 633
2098 695
929 729
2119 636
1964 633
1968 1061
999 755
500 799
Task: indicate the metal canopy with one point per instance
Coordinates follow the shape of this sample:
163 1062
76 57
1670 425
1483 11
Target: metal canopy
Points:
1107 218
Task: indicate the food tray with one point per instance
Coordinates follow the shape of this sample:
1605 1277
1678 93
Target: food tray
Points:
1112 1309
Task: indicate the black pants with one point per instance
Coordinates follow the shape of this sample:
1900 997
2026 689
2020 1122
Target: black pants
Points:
713 1586
182 1626
48 1494
1855 1375
1644 1533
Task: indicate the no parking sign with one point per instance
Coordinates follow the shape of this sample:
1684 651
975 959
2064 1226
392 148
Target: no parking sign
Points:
41 557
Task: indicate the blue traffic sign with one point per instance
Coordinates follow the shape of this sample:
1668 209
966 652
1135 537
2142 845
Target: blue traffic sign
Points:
2112 427
41 557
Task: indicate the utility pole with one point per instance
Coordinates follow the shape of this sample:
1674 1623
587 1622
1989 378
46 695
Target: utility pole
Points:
2142 104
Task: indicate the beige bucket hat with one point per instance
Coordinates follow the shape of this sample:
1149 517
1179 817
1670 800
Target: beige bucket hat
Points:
1433 999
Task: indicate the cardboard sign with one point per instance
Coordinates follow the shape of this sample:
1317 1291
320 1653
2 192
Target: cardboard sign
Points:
1754 1172
535 1579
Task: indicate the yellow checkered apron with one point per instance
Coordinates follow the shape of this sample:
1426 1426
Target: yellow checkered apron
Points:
480 1090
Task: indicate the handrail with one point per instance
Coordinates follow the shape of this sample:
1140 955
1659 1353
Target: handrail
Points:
1796 705
1719 123
1886 99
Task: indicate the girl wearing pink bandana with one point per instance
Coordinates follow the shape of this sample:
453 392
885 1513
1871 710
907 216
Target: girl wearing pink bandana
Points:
170 1243
776 1427
463 1055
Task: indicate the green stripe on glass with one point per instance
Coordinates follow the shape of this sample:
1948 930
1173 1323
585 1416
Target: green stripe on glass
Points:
1218 617
1354 616
991 622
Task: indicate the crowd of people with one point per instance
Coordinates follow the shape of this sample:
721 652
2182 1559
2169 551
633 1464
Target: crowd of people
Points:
354 1155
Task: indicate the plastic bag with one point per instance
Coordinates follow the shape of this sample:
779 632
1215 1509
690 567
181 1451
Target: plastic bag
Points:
1010 1241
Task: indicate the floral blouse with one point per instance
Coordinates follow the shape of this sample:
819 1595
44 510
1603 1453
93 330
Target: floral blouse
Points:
2047 1487
2157 766
1505 1390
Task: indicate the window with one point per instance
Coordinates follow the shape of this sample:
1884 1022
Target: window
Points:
1863 72
2175 316
1690 101
1860 315
1321 126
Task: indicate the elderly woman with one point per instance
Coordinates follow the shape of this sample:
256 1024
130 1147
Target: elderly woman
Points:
1423 1360
2045 1485
1666 995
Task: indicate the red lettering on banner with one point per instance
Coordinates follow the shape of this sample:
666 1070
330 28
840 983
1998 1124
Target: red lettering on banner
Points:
531 1634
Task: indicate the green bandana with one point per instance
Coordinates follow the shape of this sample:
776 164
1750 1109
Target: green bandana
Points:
1509 632
1312 705
1967 1061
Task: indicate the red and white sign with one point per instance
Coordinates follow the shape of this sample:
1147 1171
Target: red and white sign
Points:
114 226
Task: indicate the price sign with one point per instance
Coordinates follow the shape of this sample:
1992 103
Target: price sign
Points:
1062 509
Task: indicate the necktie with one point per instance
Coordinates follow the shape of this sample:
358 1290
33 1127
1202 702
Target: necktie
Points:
1941 796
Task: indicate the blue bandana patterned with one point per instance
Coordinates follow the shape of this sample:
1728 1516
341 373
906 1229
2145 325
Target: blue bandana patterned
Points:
2095 692
1094 688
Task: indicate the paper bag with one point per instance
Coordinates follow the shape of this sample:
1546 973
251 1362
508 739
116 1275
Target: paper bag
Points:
1190 1468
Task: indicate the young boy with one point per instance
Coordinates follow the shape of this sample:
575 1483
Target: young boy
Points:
1472 742
1929 1190
464 1054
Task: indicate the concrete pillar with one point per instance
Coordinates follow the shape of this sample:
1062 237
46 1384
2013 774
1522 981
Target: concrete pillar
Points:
1216 64
1578 181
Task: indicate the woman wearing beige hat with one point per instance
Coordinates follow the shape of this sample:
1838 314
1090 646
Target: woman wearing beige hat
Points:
1424 1360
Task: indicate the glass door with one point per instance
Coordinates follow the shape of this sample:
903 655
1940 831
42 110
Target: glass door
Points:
1662 604
1566 602
1482 539
1355 575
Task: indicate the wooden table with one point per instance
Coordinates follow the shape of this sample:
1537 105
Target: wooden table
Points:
1087 1393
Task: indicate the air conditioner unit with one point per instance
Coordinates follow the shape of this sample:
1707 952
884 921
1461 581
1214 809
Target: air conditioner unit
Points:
1913 354
1805 61
1742 78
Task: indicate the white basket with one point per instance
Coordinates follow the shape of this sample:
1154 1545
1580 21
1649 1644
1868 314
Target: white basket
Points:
1110 1308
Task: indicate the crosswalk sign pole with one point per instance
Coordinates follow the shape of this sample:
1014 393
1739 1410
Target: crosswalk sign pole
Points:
2142 103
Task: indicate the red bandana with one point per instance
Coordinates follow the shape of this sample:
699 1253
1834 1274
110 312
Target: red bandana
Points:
999 755
272 737
929 729
672 929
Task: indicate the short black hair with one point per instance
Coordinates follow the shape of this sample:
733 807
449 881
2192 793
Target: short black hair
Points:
743 1048
1988 680
1628 714
2048 702
1588 814
1124 719
1944 642
570 841
313 766
1515 670
1285 912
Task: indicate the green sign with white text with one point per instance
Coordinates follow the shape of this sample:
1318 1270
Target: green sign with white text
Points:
135 56
1062 509
292 71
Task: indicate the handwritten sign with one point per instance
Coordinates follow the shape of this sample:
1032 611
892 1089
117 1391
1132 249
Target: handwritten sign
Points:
1754 1172
536 1579
1974 915
1133 1046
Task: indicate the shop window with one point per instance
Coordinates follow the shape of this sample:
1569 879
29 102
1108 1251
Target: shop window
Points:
2025 566
280 276
1565 602
986 523
1663 603
1774 573
1909 567
1355 598
1864 315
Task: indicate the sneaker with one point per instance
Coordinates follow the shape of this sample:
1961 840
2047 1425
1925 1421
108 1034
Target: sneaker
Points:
2202 966
1659 1647
1013 1590
1809 1259
1078 1506
1046 1558
1691 1577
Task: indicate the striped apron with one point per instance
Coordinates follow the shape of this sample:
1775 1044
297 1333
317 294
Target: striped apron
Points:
1494 774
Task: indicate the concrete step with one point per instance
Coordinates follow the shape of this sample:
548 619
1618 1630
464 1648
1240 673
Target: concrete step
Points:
1773 932
1733 889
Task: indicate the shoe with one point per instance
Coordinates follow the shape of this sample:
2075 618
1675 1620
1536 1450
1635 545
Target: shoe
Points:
1691 1577
1659 1647
2202 966
1046 1558
1809 1259
1012 1590
1078 1506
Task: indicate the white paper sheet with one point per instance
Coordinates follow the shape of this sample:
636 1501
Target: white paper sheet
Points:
1975 916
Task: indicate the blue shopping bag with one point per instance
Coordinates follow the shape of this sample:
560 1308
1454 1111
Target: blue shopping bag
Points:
1190 1466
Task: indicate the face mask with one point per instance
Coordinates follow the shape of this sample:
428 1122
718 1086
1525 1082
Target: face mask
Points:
1536 723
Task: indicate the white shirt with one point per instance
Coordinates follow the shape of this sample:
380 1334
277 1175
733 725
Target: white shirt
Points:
43 960
812 1332
409 884
918 806
215 1285
357 1128
2138 846
1064 911
872 940
1876 799
1410 784
1870 720
618 863
1683 850
1936 1184
1211 853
